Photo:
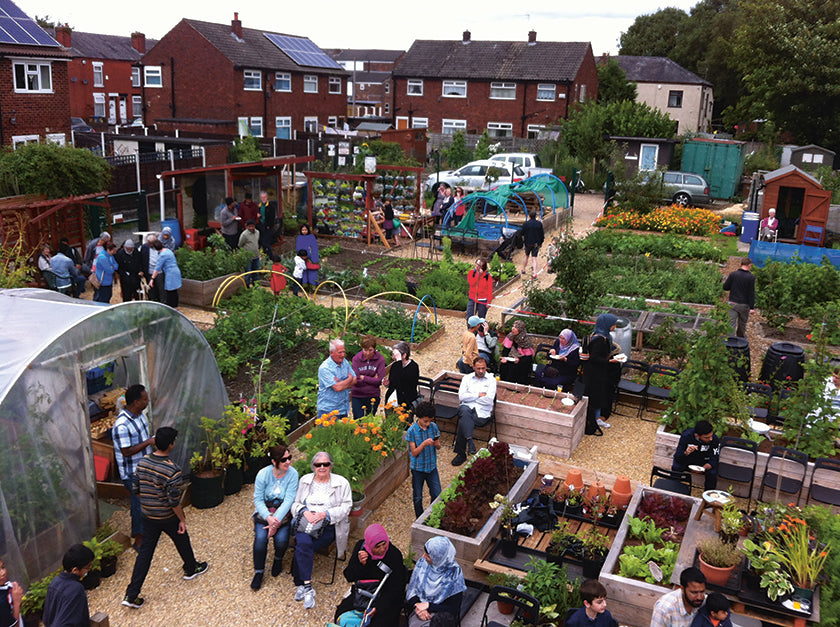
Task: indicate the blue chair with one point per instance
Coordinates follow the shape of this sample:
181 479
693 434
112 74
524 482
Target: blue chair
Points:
813 235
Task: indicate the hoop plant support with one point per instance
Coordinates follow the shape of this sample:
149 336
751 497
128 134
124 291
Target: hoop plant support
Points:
417 312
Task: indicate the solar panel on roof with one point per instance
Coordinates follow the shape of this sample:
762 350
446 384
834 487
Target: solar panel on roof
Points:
16 27
300 50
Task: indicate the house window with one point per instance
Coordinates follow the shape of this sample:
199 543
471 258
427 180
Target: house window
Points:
546 91
812 157
256 127
282 81
310 124
98 75
332 121
242 123
335 85
648 156
283 127
56 138
454 89
675 98
387 108
33 77
414 87
22 140
153 76
503 91
420 123
135 77
137 106
387 87
253 80
310 84
449 127
534 130
582 95
99 105
500 129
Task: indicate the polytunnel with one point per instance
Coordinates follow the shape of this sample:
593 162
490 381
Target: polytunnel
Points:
49 346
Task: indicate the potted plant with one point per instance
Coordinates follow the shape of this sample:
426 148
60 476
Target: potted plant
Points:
208 468
32 603
802 556
560 542
718 559
111 550
731 522
508 581
549 584
596 545
509 539
94 576
233 434
574 501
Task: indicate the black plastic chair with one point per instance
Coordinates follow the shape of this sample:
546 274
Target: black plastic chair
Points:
446 412
774 476
525 603
778 416
762 393
678 481
631 387
738 458
820 492
660 393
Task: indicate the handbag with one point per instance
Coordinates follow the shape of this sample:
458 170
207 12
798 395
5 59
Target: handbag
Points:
93 279
301 525
363 592
311 265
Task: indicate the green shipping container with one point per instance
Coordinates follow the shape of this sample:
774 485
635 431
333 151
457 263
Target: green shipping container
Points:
719 161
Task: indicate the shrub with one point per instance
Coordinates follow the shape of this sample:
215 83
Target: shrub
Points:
214 261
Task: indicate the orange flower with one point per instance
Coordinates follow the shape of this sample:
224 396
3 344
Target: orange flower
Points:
308 436
363 430
344 420
367 439
823 553
357 431
384 454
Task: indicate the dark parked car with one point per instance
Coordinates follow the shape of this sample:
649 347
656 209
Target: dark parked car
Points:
80 126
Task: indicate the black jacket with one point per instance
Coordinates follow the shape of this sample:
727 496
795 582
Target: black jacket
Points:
741 287
533 233
389 603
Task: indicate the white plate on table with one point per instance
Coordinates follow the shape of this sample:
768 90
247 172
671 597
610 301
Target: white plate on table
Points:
568 402
694 468
790 604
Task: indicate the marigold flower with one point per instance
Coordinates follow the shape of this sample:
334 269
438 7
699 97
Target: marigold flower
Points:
357 431
364 430
384 453
308 436
367 439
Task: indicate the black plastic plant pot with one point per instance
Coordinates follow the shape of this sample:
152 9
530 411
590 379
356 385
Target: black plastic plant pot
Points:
207 492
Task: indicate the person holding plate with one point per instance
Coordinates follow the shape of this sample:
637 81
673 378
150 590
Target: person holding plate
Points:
699 447
565 358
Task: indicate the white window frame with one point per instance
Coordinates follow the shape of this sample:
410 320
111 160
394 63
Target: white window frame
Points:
153 76
458 89
310 81
509 88
401 119
419 122
582 93
252 80
332 121
451 126
310 123
387 87
493 129
335 81
642 150
414 87
99 110
135 77
386 108
37 70
544 88
59 139
98 74
533 130
137 107
283 82
255 126
283 122
22 140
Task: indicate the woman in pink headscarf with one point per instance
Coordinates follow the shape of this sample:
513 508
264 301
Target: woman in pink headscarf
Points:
363 567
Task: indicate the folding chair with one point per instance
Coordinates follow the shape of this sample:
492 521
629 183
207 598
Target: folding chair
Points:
528 607
446 412
761 393
819 491
738 459
787 459
331 548
813 235
632 387
777 417
660 393
678 481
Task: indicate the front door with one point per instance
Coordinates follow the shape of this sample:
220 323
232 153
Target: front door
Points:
123 118
112 111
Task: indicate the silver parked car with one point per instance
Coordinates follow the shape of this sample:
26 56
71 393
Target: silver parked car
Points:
686 188
481 174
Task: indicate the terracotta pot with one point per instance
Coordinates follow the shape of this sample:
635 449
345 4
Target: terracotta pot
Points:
505 608
714 575
621 492
574 478
597 491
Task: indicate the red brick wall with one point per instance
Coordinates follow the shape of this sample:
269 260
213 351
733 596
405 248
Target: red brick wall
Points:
34 114
117 79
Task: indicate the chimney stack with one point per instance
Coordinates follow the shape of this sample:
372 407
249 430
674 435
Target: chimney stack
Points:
62 36
532 37
467 36
138 42
236 26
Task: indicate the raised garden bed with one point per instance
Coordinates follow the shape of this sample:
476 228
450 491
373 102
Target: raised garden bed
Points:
202 293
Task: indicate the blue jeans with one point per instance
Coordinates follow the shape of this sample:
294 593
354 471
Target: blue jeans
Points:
359 405
136 514
305 547
479 309
418 478
281 543
464 368
254 264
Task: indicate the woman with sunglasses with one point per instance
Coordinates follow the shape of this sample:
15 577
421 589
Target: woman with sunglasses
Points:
324 500
274 492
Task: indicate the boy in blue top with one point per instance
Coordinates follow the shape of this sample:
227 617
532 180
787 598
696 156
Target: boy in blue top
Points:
423 439
594 612
714 613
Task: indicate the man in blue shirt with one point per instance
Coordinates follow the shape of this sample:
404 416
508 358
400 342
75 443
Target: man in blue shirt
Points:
335 378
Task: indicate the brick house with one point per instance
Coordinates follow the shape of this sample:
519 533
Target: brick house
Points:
34 90
105 86
369 86
669 87
510 88
226 80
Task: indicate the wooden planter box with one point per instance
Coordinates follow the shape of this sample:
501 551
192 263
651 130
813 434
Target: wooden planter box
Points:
556 431
666 444
470 549
415 346
632 601
385 480
201 293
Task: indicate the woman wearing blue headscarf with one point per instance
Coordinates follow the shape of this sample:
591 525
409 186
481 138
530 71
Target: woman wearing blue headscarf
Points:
598 370
437 583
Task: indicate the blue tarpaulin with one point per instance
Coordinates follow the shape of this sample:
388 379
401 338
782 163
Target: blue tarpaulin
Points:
762 252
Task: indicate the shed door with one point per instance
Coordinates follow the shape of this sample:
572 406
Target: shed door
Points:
814 211
648 154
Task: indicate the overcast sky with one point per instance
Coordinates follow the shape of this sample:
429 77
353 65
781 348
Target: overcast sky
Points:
369 23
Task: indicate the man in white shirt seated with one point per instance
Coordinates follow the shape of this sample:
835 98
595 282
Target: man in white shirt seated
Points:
477 395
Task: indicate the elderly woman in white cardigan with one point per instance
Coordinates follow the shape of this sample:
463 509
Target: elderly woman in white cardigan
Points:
323 501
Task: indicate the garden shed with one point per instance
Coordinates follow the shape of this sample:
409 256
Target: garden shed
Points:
800 202
48 344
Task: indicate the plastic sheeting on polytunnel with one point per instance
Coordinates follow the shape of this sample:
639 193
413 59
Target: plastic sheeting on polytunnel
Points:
47 344
549 187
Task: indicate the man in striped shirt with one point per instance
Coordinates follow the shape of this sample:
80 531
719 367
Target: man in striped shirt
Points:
157 481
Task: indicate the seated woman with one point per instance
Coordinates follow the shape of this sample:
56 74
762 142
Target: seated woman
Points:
565 358
274 492
323 502
437 583
768 226
363 566
517 355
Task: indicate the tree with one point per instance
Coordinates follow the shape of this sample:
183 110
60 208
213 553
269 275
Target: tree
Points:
245 150
482 148
387 153
56 171
653 35
457 154
613 85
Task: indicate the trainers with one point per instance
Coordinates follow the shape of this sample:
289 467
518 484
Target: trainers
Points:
276 567
200 569
256 582
301 590
309 599
136 602
603 423
459 459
